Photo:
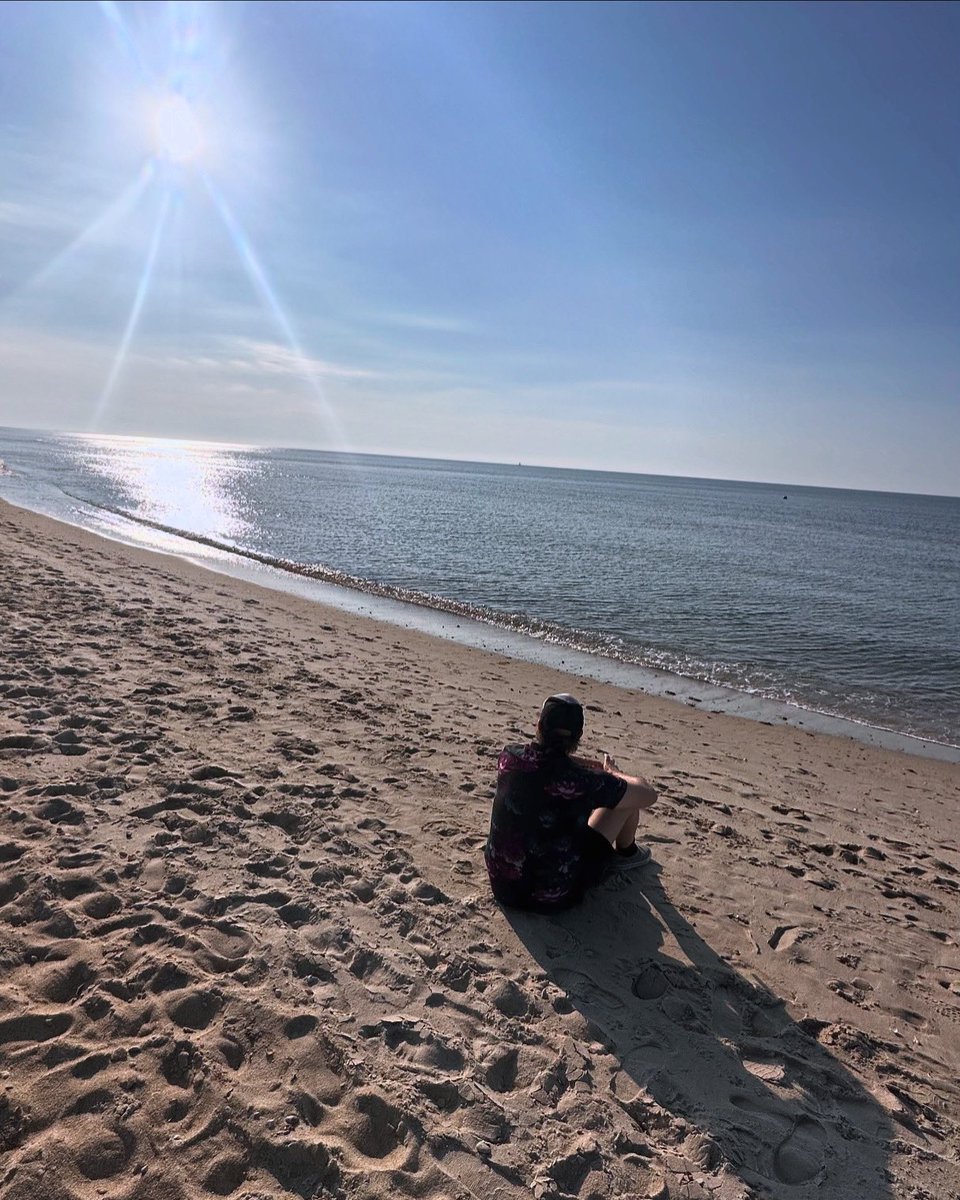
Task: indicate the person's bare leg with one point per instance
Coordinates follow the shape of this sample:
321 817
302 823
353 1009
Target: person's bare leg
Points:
617 825
628 831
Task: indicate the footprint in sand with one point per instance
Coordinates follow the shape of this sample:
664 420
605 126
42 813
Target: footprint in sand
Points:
799 1153
64 982
34 1027
226 1174
231 1052
11 887
298 1027
443 1094
369 1127
501 1074
220 948
799 1157
650 983
92 1065
585 991
102 905
473 1177
194 1009
180 1063
100 1151
785 936
418 1046
766 1069
303 1167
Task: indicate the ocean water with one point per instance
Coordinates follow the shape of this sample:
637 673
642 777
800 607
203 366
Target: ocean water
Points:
839 602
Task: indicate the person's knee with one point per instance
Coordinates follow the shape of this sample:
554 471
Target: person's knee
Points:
639 796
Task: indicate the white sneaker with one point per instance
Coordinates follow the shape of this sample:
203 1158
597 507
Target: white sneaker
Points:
632 859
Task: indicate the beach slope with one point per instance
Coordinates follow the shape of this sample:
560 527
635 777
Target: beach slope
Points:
247 949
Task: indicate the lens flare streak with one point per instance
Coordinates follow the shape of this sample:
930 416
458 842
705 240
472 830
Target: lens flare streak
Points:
138 301
178 144
261 283
118 25
114 212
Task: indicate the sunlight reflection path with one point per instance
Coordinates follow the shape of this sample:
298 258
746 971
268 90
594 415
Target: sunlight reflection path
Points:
193 487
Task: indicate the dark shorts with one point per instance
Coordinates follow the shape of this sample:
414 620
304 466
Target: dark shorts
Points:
597 855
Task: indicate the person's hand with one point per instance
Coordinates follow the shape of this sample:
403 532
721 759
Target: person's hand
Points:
609 764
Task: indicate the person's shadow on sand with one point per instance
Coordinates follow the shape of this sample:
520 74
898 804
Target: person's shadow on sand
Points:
757 1096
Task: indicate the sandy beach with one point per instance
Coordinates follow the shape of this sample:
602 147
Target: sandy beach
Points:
248 949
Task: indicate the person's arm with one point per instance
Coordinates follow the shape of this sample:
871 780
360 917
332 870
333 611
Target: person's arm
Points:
639 790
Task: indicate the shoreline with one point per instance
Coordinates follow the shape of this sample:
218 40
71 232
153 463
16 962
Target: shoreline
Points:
249 948
453 621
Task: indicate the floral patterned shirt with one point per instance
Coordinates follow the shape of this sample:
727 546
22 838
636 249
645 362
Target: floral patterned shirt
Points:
539 838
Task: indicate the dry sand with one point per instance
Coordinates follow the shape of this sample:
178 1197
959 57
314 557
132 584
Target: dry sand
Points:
247 948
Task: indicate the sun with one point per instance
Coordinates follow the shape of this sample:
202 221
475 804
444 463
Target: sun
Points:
177 134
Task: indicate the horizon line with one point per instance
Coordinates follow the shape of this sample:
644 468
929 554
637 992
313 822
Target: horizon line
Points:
538 466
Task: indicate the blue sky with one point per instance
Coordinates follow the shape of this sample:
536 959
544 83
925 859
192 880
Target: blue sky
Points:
717 239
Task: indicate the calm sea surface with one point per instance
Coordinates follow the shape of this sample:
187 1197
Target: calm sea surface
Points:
843 602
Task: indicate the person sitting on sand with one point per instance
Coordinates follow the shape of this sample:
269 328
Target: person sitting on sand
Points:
559 823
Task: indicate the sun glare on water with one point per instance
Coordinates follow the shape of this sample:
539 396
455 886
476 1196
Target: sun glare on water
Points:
177 135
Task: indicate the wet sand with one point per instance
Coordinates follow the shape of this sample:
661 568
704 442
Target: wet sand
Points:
248 950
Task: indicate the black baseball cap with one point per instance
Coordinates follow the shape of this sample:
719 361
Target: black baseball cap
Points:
562 713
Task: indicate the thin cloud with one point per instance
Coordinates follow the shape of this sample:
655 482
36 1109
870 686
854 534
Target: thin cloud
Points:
20 215
432 323
274 358
250 358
